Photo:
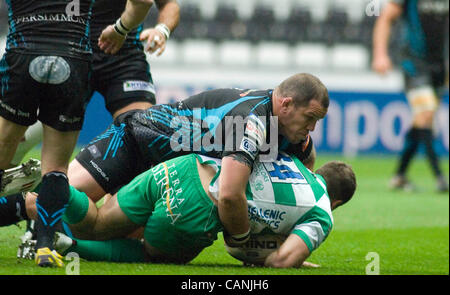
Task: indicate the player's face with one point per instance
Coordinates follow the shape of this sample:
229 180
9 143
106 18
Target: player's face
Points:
297 122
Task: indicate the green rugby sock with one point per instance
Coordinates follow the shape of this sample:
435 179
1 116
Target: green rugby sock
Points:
77 208
120 250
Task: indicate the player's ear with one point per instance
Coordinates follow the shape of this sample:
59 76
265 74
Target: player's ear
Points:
286 102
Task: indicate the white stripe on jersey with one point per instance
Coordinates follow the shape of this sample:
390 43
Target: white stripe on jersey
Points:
324 204
314 232
304 195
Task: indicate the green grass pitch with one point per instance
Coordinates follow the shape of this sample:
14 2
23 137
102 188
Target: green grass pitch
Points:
407 233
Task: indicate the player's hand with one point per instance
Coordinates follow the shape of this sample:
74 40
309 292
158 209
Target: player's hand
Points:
307 264
382 64
110 41
156 41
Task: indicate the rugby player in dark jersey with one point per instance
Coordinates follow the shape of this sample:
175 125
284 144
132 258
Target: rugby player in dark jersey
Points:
44 76
233 124
425 68
123 79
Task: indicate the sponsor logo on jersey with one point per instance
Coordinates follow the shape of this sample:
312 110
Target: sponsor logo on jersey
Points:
14 111
249 147
138 86
50 17
270 217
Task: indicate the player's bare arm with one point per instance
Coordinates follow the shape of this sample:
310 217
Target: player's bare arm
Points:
112 38
168 19
232 203
381 35
292 253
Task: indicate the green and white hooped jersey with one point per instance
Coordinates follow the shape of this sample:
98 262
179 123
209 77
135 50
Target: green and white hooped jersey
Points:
285 197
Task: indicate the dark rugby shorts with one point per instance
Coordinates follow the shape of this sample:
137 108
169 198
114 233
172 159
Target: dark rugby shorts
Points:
123 78
112 158
51 89
418 73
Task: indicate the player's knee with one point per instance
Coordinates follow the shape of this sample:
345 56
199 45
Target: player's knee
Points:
82 180
424 119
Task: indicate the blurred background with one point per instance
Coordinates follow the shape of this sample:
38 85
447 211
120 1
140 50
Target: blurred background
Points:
257 43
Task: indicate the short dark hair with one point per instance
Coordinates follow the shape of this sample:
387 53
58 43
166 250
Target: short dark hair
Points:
340 180
303 88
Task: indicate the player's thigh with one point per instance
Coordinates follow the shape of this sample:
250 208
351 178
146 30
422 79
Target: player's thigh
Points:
83 181
112 222
11 132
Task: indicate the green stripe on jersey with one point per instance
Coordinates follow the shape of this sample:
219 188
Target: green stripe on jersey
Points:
248 192
318 214
284 194
311 179
305 239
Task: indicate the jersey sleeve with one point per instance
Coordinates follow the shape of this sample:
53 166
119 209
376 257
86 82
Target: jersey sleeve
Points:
249 140
314 227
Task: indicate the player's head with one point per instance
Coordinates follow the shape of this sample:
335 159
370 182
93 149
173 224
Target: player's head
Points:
340 180
299 102
303 88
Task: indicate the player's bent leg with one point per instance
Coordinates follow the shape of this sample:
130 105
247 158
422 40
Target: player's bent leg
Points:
112 222
423 102
139 105
85 220
54 192
117 250
83 181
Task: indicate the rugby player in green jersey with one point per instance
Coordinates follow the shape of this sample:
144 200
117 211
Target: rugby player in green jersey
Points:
176 204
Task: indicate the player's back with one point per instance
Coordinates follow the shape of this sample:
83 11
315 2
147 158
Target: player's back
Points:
169 130
283 196
427 28
57 27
